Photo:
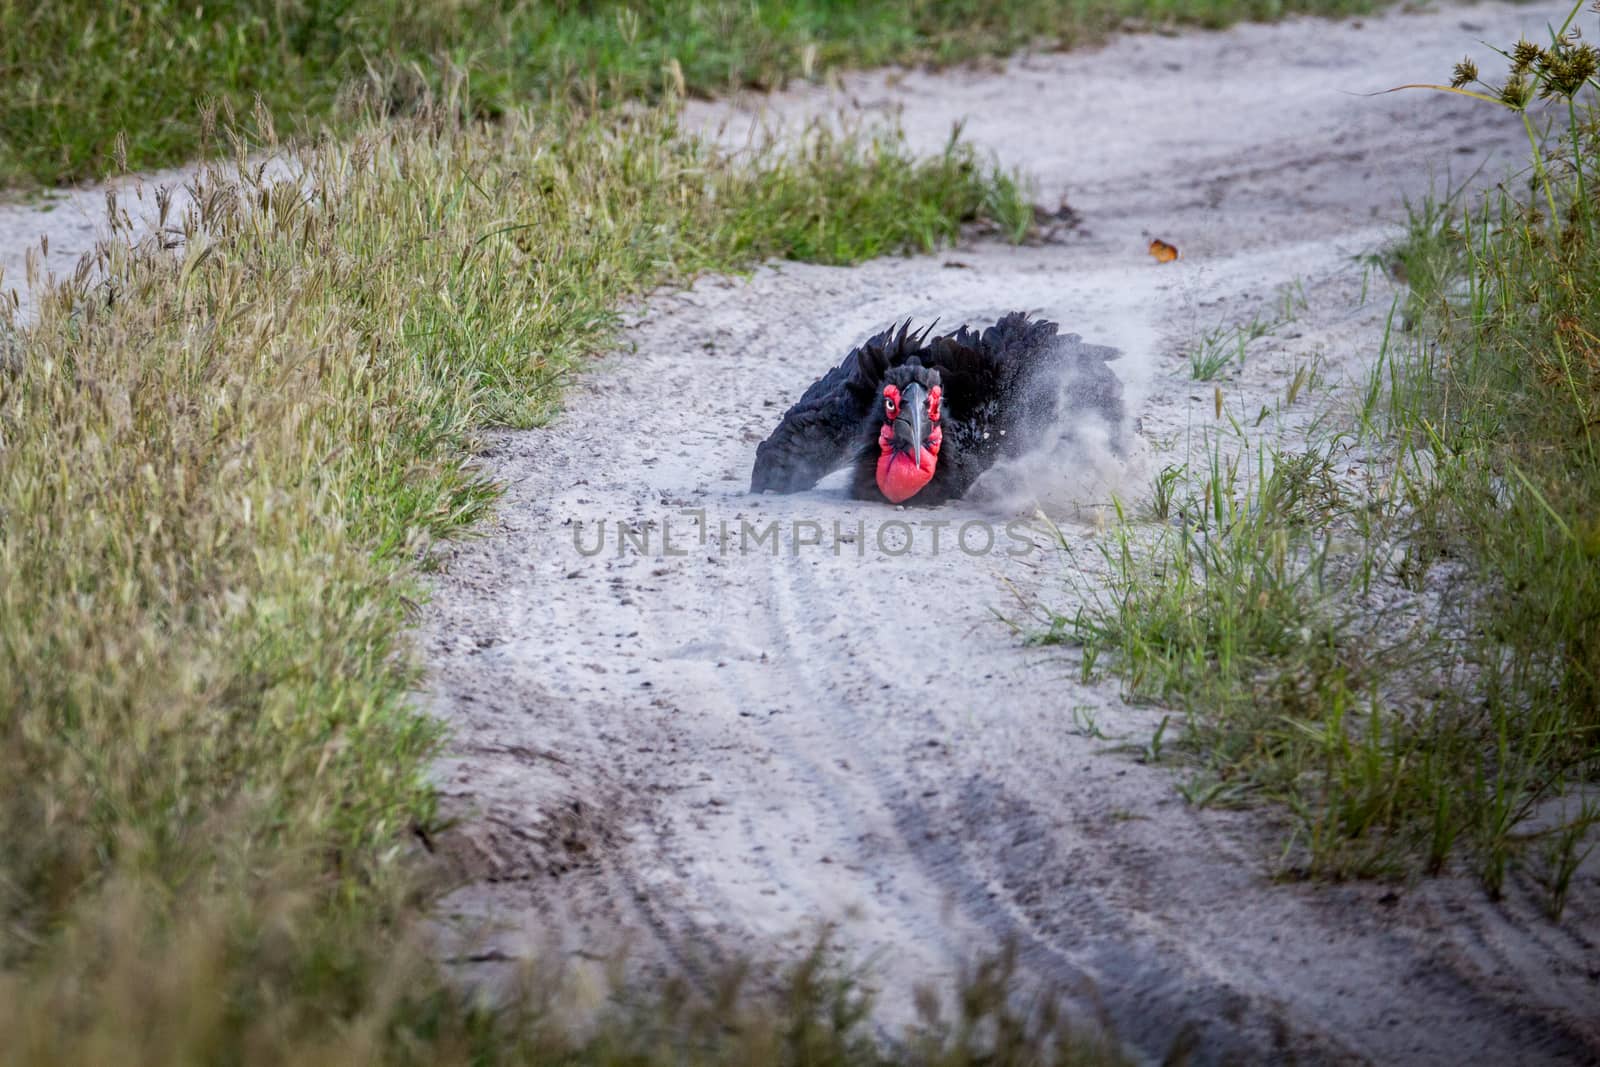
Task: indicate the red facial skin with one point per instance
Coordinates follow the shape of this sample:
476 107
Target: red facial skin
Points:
900 477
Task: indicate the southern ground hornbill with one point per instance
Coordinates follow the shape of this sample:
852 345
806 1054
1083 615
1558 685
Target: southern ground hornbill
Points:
919 420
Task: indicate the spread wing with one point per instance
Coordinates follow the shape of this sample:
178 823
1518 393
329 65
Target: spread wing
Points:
1020 376
819 434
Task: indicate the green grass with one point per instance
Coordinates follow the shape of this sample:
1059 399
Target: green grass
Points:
1225 346
221 471
76 74
1233 610
1499 401
1407 666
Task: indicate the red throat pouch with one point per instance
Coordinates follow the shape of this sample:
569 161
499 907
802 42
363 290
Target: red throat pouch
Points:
899 476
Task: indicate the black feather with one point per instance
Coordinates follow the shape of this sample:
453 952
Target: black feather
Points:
1001 389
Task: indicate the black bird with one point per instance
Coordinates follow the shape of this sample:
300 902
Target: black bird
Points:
920 419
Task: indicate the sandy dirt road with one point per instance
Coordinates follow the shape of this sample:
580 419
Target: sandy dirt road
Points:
704 750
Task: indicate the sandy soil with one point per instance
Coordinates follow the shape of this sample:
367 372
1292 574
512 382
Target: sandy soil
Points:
700 751
704 749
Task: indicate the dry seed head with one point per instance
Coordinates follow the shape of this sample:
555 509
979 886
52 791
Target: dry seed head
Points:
263 120
1516 92
1564 70
1466 71
208 121
1582 63
1525 55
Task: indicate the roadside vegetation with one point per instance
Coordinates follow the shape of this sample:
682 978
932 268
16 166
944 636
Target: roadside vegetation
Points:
77 75
225 451
1407 660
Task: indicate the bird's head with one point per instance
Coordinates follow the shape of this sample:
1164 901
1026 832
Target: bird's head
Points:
909 435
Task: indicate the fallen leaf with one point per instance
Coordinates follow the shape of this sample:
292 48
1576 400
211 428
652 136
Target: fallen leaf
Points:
1163 252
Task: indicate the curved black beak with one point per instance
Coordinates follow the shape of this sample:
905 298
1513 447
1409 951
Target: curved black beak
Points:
912 424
